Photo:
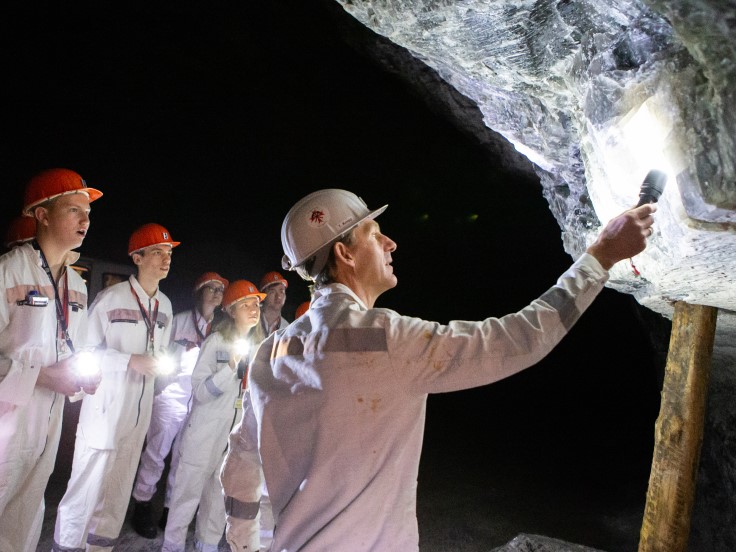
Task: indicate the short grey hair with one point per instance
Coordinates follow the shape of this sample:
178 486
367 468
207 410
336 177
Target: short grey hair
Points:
325 276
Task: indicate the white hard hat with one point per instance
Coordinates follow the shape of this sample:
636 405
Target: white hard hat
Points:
316 221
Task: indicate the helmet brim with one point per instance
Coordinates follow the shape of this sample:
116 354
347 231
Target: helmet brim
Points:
173 244
93 194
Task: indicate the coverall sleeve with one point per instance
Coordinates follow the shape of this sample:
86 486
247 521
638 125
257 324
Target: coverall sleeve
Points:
437 358
212 373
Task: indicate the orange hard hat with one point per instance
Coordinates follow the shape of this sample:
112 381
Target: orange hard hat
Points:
271 278
239 290
208 277
148 235
21 230
301 309
52 183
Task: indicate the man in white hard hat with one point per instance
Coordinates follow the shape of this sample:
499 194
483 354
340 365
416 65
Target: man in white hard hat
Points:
129 327
188 331
340 394
43 319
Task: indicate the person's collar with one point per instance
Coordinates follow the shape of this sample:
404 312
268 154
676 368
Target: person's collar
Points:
331 289
139 289
70 257
201 319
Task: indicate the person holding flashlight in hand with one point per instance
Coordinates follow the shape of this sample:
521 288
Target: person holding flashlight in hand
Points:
340 395
129 327
172 398
43 320
218 402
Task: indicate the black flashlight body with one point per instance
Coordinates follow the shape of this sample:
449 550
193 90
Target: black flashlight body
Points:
652 187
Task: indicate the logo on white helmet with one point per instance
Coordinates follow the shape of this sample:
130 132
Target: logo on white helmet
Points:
318 217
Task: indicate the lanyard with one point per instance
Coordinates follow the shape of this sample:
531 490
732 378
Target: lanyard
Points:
149 320
62 313
201 335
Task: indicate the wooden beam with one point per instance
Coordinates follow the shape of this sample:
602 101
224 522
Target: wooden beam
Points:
679 430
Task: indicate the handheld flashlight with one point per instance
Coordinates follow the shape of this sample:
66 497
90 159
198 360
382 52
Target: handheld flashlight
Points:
241 347
652 187
85 364
164 365
87 369
649 192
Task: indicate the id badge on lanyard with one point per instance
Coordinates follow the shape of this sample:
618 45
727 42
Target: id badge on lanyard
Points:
150 320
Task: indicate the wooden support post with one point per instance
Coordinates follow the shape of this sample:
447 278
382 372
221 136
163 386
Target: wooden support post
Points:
679 431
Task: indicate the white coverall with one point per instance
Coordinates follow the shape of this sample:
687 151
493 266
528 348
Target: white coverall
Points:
170 406
340 399
203 441
250 520
30 416
113 422
243 486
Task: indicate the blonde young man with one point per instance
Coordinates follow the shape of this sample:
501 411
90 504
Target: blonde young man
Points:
129 328
340 395
43 318
188 331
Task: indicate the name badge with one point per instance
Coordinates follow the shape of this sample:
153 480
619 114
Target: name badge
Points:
238 403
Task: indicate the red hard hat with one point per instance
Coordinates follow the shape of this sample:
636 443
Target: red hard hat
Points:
301 309
238 290
271 278
148 235
21 230
208 277
52 183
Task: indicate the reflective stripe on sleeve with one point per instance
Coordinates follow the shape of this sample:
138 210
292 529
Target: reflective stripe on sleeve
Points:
212 388
338 340
564 303
241 510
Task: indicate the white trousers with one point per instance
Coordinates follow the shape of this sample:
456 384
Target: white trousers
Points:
167 418
197 490
29 440
92 511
